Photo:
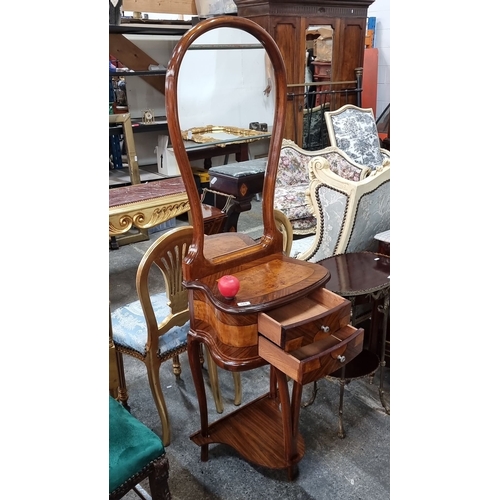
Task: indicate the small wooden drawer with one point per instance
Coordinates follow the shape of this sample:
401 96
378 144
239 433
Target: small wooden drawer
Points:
318 359
305 320
311 337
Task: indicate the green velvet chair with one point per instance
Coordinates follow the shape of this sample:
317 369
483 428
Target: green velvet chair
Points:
135 453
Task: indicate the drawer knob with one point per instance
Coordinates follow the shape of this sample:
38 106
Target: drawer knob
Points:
341 358
326 329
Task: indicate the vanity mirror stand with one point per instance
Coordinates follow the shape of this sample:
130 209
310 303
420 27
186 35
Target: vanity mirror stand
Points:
281 315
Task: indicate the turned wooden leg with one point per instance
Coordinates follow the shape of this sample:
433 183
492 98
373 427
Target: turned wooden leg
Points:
176 366
122 388
237 388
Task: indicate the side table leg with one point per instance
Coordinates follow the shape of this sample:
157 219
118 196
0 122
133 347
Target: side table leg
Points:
341 432
194 347
385 310
313 397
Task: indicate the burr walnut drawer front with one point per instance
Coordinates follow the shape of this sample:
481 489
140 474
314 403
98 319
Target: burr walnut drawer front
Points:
311 337
300 322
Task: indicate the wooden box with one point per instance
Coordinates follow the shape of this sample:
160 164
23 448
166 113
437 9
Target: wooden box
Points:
185 7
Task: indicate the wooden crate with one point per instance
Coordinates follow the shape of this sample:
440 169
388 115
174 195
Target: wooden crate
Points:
185 7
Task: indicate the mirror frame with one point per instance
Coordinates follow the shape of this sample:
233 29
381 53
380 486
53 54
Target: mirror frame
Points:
196 265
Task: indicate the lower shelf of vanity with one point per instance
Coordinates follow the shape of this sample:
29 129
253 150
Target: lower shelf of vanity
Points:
255 431
305 340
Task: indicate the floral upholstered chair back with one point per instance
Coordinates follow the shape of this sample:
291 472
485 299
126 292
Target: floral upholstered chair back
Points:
354 131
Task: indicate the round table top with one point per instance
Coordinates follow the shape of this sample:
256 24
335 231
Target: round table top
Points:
358 273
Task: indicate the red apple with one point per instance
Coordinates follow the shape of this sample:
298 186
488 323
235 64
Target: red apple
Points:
228 286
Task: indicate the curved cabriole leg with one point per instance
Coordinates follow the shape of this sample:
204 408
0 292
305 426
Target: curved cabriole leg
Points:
158 479
194 346
153 369
214 381
287 414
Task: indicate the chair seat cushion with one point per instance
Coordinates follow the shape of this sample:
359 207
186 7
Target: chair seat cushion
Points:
291 200
132 445
129 326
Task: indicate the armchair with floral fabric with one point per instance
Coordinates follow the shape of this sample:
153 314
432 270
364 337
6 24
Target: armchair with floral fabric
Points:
292 182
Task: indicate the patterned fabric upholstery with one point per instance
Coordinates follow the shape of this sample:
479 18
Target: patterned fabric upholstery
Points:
292 182
129 327
372 217
334 206
349 213
354 131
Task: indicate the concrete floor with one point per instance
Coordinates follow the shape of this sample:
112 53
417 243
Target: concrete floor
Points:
356 467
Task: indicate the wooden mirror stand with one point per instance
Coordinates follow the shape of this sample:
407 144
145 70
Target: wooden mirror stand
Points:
281 314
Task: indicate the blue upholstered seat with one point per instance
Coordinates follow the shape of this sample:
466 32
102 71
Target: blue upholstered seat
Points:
129 326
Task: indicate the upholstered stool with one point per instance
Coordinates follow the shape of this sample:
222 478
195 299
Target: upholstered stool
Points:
242 181
135 453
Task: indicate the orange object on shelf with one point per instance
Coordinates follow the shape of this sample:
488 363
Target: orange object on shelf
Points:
370 80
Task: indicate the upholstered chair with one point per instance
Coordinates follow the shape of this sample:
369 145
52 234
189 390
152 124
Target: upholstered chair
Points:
154 328
285 228
349 213
354 130
292 182
135 453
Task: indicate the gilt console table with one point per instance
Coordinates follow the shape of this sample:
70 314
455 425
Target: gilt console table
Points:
145 205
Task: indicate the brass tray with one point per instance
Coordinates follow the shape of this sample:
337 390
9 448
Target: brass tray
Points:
221 135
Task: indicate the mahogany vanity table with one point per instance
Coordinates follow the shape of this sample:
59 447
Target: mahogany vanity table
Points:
282 314
355 276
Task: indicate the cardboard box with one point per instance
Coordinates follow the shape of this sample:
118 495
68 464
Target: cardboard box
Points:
207 8
167 164
161 6
323 43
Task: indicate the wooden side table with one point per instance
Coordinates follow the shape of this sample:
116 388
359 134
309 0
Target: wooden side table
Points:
363 275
